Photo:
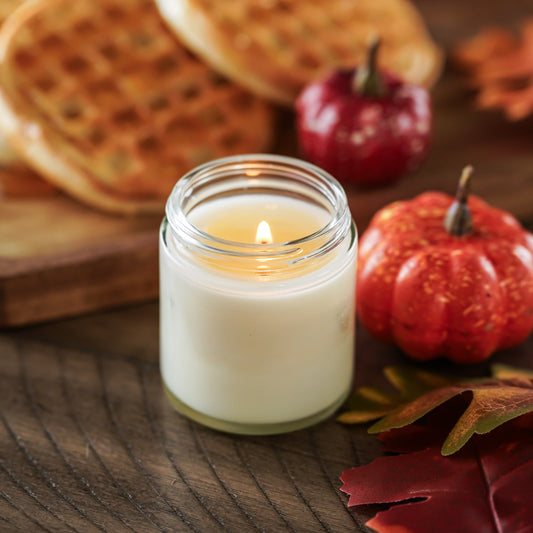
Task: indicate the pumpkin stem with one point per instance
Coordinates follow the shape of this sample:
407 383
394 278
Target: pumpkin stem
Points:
458 220
367 80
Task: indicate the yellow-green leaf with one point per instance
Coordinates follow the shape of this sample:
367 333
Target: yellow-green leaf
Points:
495 400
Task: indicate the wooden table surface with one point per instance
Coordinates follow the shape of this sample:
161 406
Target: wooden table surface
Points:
89 443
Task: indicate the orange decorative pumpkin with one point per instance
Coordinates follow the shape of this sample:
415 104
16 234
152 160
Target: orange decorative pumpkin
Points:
448 278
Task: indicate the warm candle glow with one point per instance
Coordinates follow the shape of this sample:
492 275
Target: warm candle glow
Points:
263 235
253 173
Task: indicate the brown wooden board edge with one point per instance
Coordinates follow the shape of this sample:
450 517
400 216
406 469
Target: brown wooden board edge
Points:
43 288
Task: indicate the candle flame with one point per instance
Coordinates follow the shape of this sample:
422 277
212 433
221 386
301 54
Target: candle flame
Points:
263 235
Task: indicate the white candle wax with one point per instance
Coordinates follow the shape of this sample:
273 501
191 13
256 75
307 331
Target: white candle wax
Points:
254 351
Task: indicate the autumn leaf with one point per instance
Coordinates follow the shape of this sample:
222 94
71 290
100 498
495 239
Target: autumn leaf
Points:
496 400
370 403
485 487
500 371
499 64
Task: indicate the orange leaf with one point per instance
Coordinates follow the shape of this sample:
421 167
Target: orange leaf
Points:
500 66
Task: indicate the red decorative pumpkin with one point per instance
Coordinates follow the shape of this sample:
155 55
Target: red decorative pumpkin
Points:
448 278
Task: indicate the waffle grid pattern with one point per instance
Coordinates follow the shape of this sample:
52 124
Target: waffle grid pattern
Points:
120 99
292 42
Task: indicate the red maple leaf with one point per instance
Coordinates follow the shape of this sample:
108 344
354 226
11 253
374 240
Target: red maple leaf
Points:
486 487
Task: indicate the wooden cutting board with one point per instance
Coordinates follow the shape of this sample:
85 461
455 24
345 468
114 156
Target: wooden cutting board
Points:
59 258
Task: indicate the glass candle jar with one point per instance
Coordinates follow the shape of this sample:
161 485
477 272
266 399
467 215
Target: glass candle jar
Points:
257 296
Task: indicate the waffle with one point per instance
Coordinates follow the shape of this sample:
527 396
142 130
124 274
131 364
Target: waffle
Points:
109 106
16 178
7 6
275 47
7 156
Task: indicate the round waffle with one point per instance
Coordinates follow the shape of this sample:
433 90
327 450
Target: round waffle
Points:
109 106
7 156
16 178
275 47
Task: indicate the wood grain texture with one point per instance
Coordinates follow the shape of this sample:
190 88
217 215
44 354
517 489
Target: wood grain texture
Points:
88 441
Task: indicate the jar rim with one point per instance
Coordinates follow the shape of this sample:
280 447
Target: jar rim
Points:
321 182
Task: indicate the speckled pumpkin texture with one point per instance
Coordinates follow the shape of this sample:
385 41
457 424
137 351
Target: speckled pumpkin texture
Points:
434 294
